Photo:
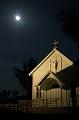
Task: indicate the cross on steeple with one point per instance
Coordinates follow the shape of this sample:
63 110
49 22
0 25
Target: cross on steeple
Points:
55 43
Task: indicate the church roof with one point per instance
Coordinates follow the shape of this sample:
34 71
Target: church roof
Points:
66 78
69 76
46 59
50 82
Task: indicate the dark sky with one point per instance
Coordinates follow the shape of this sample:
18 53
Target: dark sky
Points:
32 36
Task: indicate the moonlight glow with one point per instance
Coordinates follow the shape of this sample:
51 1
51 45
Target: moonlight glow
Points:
18 18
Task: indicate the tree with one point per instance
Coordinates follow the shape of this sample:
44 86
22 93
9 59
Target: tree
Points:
23 75
69 21
14 94
5 95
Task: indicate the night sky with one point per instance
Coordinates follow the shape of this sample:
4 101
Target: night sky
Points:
32 36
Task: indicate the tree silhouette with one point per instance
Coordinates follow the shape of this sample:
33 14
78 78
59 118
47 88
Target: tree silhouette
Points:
23 75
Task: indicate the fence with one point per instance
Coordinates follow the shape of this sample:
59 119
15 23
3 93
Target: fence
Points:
37 106
41 106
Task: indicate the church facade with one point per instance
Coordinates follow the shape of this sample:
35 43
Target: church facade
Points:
51 80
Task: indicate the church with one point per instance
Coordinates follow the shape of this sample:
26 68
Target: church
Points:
52 79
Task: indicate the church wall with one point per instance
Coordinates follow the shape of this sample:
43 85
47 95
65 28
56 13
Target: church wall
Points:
53 98
66 98
56 98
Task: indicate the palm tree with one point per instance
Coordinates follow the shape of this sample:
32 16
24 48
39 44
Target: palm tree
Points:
23 77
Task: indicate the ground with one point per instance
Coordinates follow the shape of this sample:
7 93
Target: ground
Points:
27 116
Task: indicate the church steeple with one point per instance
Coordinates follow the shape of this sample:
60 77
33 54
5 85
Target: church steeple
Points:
56 44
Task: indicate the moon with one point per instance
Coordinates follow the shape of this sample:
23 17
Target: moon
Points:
18 18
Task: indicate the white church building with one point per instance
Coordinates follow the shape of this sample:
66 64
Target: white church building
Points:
51 80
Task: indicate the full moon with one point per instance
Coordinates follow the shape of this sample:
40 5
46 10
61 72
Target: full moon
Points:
18 18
